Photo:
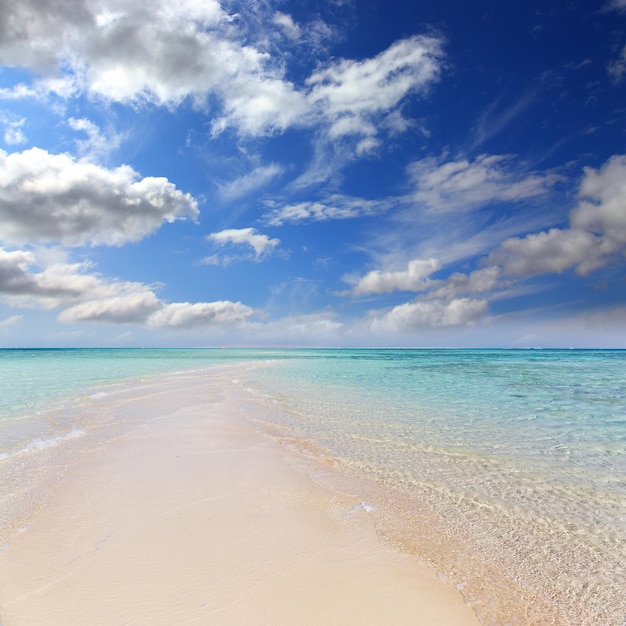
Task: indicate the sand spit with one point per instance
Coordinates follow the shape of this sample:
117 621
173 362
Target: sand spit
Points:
189 516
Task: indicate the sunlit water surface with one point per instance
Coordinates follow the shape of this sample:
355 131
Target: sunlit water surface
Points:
504 469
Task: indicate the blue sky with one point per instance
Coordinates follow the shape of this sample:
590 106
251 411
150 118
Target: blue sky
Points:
339 173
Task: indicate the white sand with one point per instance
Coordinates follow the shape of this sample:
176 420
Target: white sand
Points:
194 518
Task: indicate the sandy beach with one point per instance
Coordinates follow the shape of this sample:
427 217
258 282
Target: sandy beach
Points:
191 516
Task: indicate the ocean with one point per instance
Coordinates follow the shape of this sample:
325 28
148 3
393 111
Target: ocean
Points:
505 470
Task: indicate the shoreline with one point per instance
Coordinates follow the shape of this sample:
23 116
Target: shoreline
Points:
185 513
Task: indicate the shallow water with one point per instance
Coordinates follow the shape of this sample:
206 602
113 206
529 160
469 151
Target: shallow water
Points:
506 470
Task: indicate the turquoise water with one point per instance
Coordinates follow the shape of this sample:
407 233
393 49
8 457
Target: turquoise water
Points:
504 469
34 381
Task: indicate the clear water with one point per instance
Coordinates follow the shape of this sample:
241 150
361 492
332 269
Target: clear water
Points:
32 382
504 469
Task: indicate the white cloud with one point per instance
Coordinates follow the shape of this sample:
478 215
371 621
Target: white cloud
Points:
377 85
27 282
617 67
617 5
144 308
133 308
86 297
256 179
13 133
318 328
347 96
351 125
603 207
288 26
552 251
597 232
261 244
96 145
335 207
479 281
126 52
10 321
367 146
429 314
188 315
465 185
257 104
411 279
172 50
18 92
22 285
499 115
54 198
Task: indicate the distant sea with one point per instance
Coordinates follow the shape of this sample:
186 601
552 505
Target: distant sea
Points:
505 470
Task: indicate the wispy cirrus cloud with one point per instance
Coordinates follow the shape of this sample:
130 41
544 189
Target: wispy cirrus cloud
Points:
444 185
94 144
617 67
350 93
334 207
499 115
254 180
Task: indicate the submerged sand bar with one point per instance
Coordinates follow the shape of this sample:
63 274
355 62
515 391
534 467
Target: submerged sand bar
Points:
180 512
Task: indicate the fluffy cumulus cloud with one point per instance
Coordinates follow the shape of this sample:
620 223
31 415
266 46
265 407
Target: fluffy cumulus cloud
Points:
483 280
54 198
595 237
131 308
552 251
443 302
602 209
126 52
92 43
145 308
86 297
84 294
596 234
443 185
411 279
421 314
261 244
193 315
59 282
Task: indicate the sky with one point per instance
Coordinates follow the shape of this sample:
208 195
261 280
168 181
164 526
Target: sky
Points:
313 173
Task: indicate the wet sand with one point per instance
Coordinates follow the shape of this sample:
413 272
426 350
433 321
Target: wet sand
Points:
193 517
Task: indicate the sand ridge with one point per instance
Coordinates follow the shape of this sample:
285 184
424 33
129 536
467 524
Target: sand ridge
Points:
195 518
